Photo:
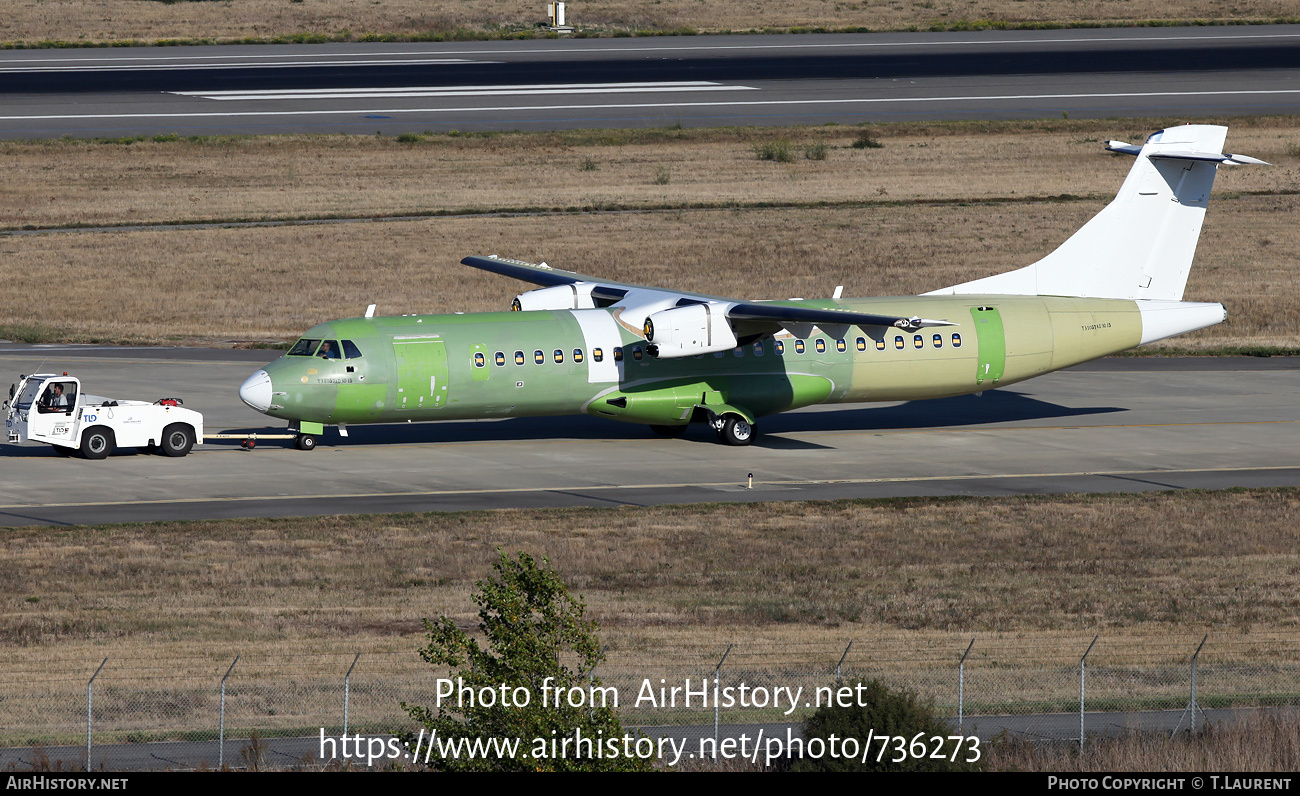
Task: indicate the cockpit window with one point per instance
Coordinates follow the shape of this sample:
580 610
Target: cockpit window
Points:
329 350
28 395
303 348
350 350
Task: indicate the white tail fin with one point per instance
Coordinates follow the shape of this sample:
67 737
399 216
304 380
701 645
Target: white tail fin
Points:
1141 245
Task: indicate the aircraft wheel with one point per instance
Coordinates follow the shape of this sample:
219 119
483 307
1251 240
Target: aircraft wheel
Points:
669 431
97 442
177 439
306 442
735 431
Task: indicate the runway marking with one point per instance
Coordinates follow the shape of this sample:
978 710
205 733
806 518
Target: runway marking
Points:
608 487
911 42
751 103
463 91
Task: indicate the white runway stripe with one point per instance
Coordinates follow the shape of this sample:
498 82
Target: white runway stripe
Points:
615 106
461 91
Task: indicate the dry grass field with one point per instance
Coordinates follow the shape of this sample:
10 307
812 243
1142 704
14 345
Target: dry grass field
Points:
1264 742
1163 566
935 205
86 21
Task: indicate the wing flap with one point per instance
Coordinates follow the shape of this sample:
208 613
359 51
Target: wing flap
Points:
784 313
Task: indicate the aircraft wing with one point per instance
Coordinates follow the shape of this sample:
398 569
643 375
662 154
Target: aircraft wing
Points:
636 304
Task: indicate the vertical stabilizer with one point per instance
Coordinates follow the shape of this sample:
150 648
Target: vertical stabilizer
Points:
1141 245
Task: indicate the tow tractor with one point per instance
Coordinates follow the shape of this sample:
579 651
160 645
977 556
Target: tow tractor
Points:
45 407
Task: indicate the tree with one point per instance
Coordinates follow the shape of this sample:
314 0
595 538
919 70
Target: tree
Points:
878 711
539 651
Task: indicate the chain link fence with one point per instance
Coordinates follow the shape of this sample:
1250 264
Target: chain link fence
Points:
1066 689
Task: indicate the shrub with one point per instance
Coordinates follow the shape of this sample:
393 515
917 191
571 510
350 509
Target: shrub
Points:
663 176
815 151
537 639
878 711
779 151
865 141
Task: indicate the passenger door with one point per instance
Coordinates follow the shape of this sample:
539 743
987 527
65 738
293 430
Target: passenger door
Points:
421 374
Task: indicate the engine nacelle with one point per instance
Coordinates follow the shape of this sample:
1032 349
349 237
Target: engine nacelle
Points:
687 331
576 296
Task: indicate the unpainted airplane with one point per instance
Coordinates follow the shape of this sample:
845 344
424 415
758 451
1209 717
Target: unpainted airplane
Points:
666 359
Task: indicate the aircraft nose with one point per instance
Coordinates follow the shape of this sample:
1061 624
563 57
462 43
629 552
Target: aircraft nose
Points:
256 391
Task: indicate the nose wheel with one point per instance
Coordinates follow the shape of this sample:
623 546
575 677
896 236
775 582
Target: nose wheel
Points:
306 442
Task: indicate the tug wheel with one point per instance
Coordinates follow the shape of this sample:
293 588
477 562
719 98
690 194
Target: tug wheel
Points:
97 442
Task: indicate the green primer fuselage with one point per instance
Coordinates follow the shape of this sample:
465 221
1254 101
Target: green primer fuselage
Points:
443 367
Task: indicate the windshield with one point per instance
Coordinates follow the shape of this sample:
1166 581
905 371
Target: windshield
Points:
29 393
303 348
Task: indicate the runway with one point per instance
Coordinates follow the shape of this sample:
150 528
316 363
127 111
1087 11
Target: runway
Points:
1115 425
691 81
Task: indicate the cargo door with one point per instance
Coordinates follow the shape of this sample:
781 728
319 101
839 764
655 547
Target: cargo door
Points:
421 374
992 344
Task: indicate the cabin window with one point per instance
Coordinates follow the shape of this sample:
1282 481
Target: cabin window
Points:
798 346
862 344
880 344
956 340
500 359
821 346
636 353
758 348
519 357
938 341
618 353
918 341
841 346
740 352
780 348
598 354
303 348
539 357
898 343
577 355
479 359
559 356
350 350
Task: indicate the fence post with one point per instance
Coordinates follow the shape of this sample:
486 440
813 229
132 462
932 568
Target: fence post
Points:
1192 705
839 667
1082 663
591 680
961 687
716 670
347 689
221 731
89 686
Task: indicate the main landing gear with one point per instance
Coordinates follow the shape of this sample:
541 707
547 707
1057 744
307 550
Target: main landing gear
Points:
305 442
731 430
734 430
